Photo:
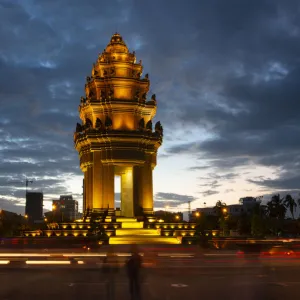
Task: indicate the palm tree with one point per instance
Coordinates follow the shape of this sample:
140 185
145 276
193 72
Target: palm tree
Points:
276 207
221 211
290 203
219 207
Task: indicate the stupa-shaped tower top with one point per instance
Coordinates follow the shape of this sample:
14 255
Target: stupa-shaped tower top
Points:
116 92
116 44
117 51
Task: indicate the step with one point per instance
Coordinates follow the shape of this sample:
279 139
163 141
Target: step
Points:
124 219
126 240
132 225
137 232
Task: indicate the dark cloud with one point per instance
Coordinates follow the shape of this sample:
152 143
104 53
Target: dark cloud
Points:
284 182
214 181
209 193
230 68
196 168
170 199
219 176
253 111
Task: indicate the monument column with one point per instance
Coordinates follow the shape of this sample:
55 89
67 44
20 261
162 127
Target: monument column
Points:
138 190
127 208
84 191
90 187
147 188
97 182
108 191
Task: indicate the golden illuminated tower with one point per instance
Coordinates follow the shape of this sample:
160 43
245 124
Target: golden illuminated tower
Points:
116 135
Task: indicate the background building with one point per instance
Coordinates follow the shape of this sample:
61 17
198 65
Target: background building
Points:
66 208
245 206
34 206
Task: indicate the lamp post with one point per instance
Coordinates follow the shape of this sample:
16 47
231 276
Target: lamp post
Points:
225 217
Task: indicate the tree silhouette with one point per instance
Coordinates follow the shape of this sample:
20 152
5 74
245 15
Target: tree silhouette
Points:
218 209
290 203
276 207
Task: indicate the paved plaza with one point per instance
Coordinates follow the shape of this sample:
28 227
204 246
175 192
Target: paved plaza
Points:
250 281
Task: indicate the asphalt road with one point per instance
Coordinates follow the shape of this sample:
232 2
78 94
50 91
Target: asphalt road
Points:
242 282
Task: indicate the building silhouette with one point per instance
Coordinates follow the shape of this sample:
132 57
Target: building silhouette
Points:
34 206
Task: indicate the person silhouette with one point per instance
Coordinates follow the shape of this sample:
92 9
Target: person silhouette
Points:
133 267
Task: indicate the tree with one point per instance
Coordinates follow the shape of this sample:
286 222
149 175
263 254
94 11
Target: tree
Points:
257 225
219 208
290 203
221 212
276 207
244 224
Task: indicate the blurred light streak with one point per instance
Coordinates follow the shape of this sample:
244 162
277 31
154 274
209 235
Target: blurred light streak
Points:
48 262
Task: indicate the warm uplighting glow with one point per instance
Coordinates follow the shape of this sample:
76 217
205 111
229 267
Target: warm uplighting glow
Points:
151 220
45 219
177 217
4 262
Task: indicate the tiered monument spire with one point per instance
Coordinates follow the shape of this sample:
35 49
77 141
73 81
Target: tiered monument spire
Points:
116 135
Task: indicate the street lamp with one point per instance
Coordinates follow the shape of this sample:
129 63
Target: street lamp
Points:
26 216
197 214
53 207
224 210
177 217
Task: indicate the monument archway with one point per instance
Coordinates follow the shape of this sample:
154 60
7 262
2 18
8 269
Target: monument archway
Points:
116 135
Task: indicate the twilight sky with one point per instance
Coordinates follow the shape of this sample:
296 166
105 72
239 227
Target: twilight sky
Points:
226 75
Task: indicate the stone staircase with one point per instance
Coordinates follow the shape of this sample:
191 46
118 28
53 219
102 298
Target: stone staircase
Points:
132 232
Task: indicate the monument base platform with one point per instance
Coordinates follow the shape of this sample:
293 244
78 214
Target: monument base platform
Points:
133 232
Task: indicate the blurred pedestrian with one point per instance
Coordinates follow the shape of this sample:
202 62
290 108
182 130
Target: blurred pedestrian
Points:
133 266
110 268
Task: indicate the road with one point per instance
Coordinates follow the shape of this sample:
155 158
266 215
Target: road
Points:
240 281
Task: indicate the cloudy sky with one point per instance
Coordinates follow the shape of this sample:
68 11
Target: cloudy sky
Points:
226 75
